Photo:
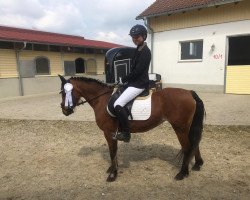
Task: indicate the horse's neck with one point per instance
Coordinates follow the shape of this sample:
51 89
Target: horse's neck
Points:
92 93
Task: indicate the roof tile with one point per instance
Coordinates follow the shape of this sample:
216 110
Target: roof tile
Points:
170 6
18 34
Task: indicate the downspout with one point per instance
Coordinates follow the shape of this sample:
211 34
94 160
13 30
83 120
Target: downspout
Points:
152 42
18 69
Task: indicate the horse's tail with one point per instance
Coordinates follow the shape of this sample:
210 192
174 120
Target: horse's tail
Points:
196 128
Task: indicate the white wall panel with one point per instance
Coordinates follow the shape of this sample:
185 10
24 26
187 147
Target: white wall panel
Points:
211 70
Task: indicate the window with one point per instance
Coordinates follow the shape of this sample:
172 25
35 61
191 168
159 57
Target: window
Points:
54 48
69 68
40 47
100 51
90 51
42 66
79 50
6 45
191 50
29 46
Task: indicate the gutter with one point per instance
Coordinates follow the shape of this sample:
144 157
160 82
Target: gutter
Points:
152 42
18 69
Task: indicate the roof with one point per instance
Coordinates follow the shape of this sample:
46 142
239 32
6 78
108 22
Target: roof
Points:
34 36
164 7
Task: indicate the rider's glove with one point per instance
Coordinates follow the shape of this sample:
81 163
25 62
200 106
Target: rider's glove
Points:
119 81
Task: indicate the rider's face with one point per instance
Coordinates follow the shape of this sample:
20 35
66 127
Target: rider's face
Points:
138 40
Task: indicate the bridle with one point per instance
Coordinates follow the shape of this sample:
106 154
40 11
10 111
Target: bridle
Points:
83 102
68 107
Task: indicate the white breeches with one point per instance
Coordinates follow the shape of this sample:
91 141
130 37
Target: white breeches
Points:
129 94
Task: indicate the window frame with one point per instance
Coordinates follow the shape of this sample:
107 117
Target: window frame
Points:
49 69
191 59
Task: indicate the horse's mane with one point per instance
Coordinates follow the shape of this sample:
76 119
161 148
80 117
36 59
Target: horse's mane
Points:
85 79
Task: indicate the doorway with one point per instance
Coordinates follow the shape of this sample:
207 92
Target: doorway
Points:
238 69
80 65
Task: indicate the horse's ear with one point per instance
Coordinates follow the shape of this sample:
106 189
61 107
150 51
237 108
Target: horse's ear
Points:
62 79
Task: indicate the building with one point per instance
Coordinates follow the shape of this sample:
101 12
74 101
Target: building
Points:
201 44
30 60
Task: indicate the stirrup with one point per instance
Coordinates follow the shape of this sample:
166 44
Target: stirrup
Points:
122 136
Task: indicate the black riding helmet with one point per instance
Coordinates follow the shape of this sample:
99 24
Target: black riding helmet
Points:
138 30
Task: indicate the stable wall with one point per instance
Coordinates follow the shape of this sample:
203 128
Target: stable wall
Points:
41 84
205 75
9 87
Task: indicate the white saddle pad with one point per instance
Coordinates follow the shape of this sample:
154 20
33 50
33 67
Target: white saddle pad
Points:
141 109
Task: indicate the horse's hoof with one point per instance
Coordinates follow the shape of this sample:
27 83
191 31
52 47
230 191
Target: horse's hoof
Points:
181 176
197 166
112 176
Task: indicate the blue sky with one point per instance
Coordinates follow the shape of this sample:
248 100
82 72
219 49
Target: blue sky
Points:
106 20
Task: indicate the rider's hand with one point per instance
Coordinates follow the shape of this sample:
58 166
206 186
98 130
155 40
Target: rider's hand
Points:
120 81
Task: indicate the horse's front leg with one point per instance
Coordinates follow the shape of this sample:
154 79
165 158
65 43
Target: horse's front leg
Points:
112 170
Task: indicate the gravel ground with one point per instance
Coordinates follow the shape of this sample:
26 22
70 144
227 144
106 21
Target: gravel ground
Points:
45 155
221 109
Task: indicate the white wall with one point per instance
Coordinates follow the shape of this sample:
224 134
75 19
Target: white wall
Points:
211 70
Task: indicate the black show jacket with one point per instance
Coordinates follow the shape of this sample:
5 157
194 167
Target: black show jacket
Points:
138 76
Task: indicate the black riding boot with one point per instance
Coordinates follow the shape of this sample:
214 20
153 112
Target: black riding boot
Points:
124 134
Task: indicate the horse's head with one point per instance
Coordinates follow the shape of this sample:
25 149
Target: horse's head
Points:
70 96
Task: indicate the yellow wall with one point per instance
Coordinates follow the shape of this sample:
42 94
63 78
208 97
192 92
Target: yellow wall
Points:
73 56
100 64
238 79
54 59
8 65
212 15
90 67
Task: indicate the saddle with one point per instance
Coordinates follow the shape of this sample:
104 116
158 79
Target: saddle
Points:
137 109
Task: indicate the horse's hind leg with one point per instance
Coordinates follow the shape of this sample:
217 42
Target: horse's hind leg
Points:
112 170
182 135
189 151
198 160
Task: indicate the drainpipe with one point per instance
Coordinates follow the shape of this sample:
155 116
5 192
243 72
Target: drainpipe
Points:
18 69
152 42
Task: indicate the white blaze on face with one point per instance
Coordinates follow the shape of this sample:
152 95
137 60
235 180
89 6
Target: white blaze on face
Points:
68 87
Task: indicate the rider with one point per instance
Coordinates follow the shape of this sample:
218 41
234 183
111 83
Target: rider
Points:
136 82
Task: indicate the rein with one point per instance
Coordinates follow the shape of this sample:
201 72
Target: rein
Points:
83 102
